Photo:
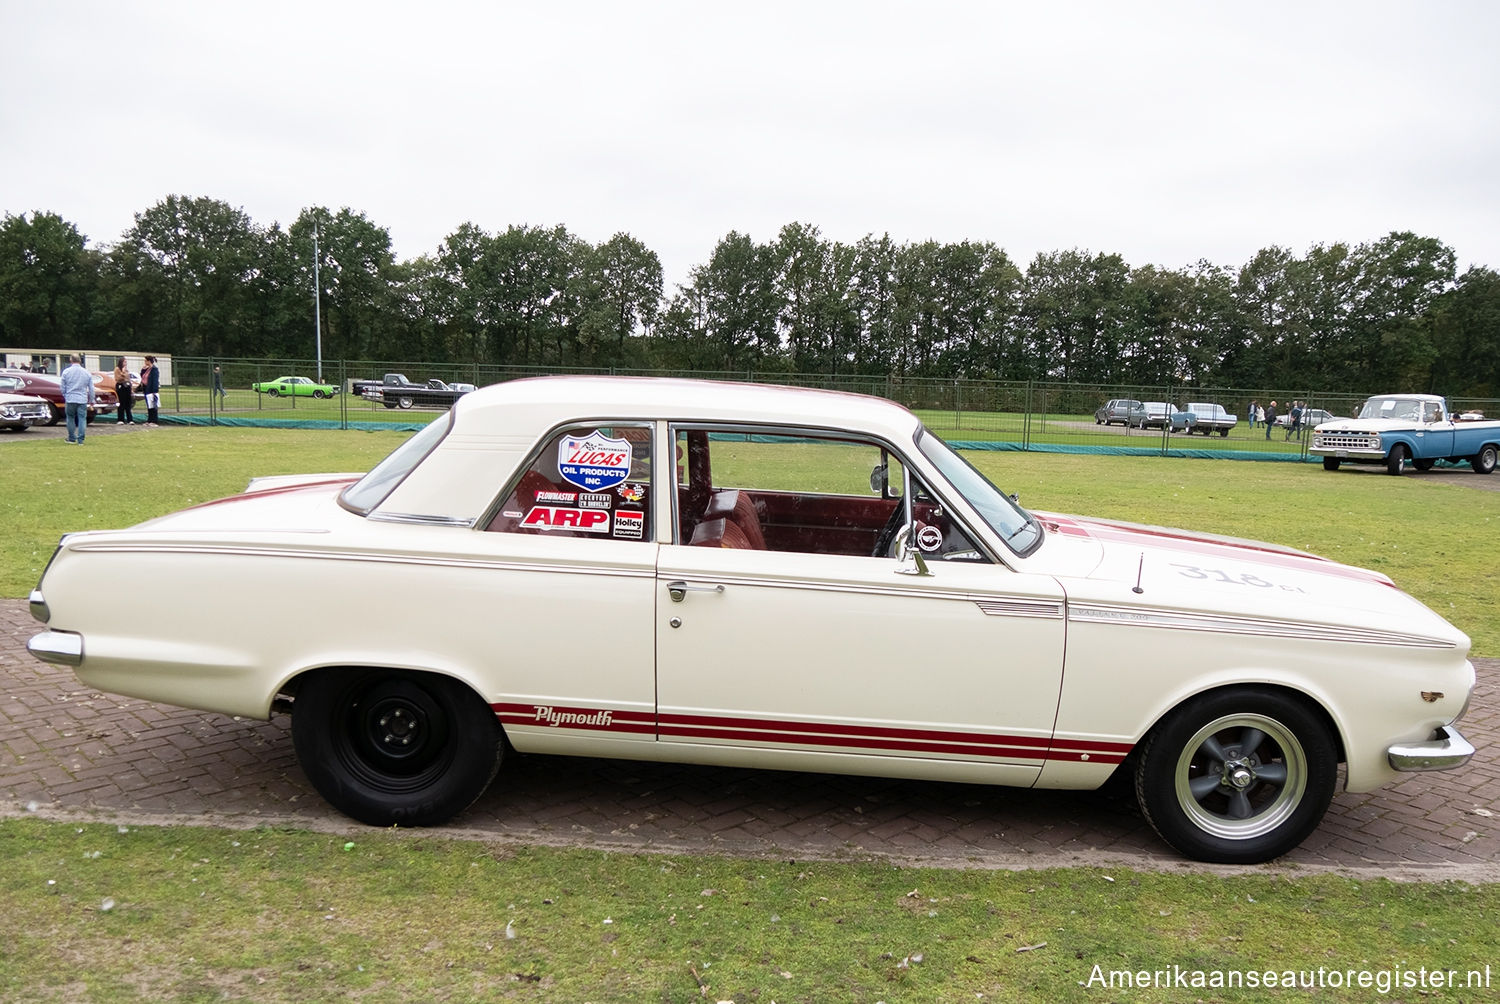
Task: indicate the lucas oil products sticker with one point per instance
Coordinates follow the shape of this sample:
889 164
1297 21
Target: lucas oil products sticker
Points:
593 462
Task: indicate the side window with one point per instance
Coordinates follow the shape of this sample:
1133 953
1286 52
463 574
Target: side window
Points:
805 493
587 481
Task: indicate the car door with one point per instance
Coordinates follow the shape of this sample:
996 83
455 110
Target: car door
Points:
816 654
570 547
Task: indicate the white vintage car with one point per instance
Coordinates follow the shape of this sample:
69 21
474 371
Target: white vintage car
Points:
724 574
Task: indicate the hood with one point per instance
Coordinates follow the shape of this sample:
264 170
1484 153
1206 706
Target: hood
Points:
1367 425
1229 577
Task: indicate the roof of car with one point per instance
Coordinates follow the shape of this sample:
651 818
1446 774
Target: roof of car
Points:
496 426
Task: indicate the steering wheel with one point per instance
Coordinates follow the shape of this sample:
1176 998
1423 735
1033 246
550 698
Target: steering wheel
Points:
885 543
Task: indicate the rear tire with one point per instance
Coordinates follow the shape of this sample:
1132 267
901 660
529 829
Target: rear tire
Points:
404 403
392 747
274 392
1395 463
1484 461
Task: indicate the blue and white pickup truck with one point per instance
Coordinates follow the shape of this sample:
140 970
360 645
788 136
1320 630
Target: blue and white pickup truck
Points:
1392 429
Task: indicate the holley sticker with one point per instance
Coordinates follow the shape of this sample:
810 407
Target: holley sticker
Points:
629 525
593 462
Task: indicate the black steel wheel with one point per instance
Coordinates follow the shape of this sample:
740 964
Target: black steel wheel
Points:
1484 461
1395 461
1237 776
391 747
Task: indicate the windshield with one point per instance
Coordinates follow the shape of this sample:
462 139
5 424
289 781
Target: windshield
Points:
1401 408
1017 527
371 490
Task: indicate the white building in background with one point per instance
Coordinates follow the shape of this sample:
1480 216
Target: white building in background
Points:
54 361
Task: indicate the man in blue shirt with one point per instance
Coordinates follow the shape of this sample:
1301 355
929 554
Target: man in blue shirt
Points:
78 395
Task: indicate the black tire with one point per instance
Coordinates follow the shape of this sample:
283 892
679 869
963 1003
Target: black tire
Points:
1395 461
274 392
58 414
1330 463
1484 461
319 394
1224 433
389 747
1423 465
404 403
1276 768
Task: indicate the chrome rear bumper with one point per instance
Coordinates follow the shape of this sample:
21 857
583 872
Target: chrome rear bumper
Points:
61 647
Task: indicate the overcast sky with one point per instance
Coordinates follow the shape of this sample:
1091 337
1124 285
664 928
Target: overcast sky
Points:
1165 132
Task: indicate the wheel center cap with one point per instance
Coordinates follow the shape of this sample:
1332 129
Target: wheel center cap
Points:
1240 777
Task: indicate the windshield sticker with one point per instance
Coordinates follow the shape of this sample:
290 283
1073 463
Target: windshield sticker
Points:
583 520
632 493
629 525
929 538
593 462
557 498
592 501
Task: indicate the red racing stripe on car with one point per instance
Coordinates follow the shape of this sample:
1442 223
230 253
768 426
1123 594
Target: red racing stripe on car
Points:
559 716
889 740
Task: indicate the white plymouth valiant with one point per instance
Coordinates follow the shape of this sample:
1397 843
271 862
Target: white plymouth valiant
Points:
725 574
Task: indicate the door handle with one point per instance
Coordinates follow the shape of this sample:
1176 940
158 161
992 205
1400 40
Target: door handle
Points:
678 590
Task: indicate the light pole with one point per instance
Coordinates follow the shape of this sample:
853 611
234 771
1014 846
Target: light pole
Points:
317 303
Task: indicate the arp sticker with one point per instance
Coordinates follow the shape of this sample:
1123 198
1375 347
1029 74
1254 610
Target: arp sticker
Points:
929 537
544 517
629 525
593 462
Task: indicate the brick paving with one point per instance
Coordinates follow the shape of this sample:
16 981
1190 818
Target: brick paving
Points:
68 752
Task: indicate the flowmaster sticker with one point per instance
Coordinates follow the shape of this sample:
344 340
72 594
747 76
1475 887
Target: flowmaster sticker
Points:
557 498
593 462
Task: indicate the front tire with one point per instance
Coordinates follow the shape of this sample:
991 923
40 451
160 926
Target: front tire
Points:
389 747
1330 463
319 394
1395 463
1237 776
1484 461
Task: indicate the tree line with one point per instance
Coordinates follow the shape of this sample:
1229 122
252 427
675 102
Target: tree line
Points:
198 277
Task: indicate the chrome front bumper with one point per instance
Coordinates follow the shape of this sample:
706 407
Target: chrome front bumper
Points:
1444 751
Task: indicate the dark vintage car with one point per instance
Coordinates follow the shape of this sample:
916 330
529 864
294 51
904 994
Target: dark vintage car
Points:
1125 410
49 388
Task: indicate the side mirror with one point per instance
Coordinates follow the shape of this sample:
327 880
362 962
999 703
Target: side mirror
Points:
908 553
880 479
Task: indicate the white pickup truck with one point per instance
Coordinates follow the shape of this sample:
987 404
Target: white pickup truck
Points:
1392 429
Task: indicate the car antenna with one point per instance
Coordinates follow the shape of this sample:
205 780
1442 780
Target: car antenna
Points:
1138 570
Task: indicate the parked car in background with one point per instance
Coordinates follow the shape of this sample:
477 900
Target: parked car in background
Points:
1394 429
1165 415
1311 418
20 412
294 386
769 577
49 388
1210 418
1125 410
394 390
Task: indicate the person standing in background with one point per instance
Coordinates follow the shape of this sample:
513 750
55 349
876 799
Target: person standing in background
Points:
1253 409
219 385
1270 419
151 389
123 415
78 396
